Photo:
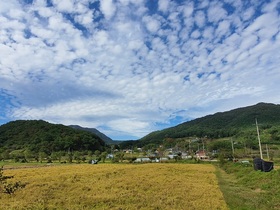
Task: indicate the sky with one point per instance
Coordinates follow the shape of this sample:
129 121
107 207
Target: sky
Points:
130 67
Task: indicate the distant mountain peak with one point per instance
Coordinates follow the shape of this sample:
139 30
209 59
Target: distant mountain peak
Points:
101 135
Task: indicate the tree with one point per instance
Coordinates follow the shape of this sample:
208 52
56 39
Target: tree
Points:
221 158
28 154
38 135
17 155
220 145
5 155
89 154
77 156
57 155
119 156
42 156
103 156
70 156
97 153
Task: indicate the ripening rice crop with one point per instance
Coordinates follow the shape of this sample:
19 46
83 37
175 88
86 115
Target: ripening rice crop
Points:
116 186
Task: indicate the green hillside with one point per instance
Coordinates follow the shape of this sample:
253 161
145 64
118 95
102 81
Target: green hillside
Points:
40 136
239 123
105 138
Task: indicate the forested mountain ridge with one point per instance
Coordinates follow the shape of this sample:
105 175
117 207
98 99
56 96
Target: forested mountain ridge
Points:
221 124
105 138
41 136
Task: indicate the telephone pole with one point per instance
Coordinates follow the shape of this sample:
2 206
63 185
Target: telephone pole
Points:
232 147
260 146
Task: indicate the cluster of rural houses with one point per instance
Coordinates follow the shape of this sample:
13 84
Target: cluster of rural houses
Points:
168 154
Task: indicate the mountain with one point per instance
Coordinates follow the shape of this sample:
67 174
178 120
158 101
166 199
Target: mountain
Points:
41 136
219 125
105 138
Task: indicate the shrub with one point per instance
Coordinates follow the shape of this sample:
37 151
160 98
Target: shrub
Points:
221 158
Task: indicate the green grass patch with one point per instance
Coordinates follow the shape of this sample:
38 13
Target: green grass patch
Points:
245 188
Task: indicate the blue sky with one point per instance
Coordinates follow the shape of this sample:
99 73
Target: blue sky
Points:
129 67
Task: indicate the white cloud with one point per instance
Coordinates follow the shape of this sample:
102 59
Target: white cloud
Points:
163 5
208 32
130 70
5 7
152 24
223 28
130 126
101 38
85 19
271 6
195 34
64 5
216 13
108 8
249 42
248 13
188 9
200 18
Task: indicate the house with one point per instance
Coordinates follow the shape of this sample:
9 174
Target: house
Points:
110 156
201 154
128 151
163 159
142 160
171 156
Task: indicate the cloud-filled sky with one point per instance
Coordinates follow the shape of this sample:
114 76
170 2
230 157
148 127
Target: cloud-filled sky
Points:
129 67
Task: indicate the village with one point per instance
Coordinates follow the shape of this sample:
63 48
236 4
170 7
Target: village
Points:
139 155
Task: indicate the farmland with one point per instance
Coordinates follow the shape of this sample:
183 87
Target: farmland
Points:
116 186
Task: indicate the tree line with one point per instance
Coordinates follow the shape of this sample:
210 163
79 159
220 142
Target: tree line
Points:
38 139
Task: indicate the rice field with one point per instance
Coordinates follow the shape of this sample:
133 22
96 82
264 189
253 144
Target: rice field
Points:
116 186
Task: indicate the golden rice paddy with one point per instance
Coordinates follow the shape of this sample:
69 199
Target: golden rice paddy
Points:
116 186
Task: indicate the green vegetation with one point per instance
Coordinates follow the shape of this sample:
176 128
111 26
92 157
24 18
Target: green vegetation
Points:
26 141
244 188
23 140
105 138
238 124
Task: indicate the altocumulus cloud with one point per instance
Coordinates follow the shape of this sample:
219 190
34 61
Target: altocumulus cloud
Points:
129 67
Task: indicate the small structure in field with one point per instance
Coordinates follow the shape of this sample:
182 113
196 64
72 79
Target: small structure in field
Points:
201 154
262 165
94 161
142 160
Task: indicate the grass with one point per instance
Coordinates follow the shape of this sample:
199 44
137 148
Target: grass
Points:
116 186
12 164
236 195
245 188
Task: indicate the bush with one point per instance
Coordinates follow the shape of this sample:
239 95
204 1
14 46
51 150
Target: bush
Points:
221 158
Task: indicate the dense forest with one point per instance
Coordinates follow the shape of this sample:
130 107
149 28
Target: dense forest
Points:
105 138
39 136
238 123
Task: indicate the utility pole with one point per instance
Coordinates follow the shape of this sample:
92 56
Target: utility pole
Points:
232 147
203 145
267 152
260 146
